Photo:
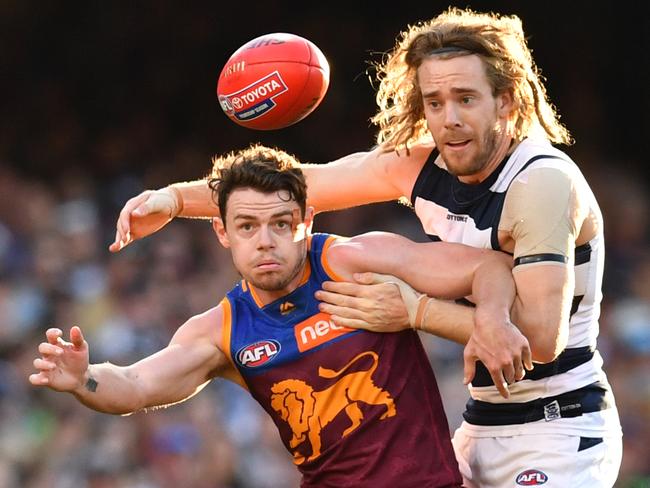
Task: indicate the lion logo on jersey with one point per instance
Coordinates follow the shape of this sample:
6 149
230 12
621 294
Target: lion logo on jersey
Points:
307 411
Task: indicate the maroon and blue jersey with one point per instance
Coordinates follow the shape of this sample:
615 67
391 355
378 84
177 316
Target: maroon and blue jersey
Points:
354 408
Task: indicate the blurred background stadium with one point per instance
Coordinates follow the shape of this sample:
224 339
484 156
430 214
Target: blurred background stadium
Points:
101 100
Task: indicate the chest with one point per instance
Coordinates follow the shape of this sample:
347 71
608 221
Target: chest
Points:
266 338
473 222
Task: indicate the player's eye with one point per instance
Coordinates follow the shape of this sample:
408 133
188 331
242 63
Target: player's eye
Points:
246 226
282 224
467 99
434 104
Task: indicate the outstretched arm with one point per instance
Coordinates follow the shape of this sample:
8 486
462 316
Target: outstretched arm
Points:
357 179
169 376
150 211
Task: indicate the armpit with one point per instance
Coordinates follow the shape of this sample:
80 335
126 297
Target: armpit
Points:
543 214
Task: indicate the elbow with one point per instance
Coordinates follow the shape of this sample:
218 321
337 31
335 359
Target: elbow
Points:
548 345
544 353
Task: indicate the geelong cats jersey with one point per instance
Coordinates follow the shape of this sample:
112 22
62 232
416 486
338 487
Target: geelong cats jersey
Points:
572 392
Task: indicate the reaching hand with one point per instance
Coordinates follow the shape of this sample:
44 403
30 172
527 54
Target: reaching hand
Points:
502 348
372 303
62 365
145 214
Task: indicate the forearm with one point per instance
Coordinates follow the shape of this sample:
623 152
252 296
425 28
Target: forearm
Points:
493 292
196 199
447 319
362 178
546 330
110 389
543 307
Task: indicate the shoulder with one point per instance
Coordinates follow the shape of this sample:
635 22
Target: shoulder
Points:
337 255
403 166
201 337
206 326
538 193
547 179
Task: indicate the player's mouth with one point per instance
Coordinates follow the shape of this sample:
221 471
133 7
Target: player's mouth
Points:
458 144
268 265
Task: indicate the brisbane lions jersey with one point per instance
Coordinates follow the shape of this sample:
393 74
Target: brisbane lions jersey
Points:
354 408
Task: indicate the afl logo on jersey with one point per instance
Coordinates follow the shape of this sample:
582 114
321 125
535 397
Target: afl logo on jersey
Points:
531 477
257 354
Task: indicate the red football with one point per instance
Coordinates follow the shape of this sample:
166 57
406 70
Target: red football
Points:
273 81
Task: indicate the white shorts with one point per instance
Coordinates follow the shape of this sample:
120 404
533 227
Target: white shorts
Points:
548 460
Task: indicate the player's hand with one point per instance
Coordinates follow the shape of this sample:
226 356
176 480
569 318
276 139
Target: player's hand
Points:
373 303
145 214
62 365
502 348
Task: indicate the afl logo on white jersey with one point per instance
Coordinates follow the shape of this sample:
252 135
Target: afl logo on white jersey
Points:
531 477
258 353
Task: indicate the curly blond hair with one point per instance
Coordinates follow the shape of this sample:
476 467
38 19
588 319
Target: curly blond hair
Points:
500 43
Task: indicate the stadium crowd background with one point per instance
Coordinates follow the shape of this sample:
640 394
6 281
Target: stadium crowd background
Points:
101 100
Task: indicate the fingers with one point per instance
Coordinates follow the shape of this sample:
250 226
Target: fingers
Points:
341 300
115 245
498 374
341 311
120 242
122 239
132 207
380 291
527 357
469 367
53 335
39 379
45 368
519 370
370 278
343 288
502 386
123 225
351 323
44 365
507 372
76 337
47 349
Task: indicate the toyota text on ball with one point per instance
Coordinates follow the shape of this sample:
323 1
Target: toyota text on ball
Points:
256 99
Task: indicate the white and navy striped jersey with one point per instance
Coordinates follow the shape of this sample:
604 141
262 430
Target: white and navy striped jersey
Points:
572 392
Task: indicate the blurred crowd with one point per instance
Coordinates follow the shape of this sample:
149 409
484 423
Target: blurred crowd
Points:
107 104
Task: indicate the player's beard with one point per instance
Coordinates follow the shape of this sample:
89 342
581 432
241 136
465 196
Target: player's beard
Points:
488 147
276 282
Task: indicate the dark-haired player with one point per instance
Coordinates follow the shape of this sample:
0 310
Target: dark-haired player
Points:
354 408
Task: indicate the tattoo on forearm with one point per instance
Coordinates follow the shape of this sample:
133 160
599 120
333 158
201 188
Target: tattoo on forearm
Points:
91 385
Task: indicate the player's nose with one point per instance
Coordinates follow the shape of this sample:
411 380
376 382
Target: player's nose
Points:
265 238
452 117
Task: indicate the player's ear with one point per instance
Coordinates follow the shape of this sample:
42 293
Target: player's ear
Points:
302 226
505 104
309 219
220 230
